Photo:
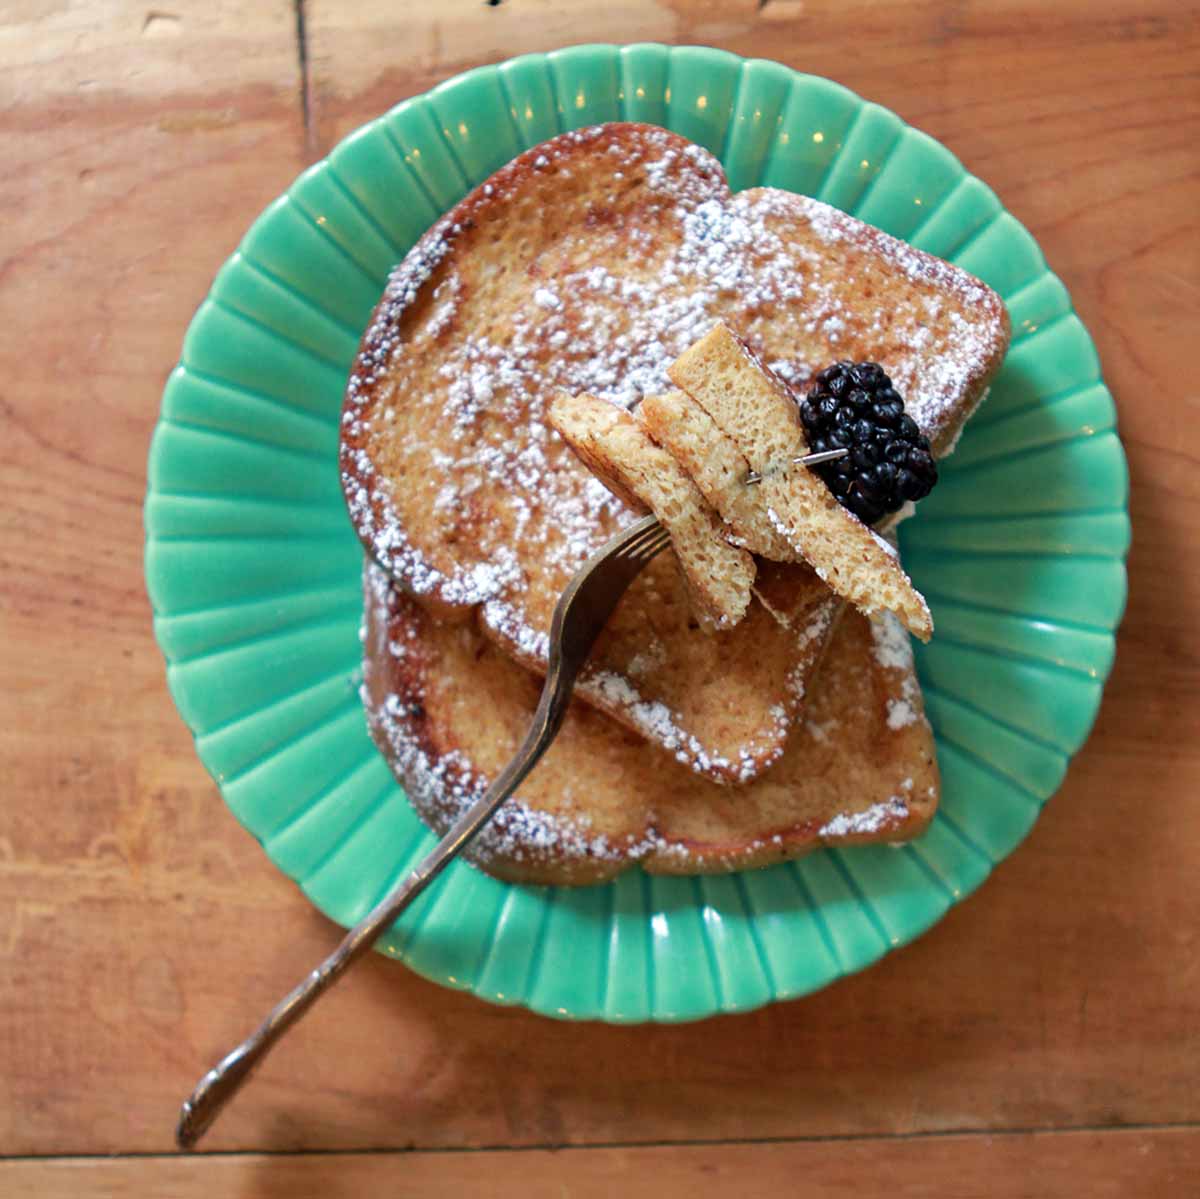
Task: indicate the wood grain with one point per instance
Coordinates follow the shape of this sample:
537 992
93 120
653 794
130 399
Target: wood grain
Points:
1114 1165
139 146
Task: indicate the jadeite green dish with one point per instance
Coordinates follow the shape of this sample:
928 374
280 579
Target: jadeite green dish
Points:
254 572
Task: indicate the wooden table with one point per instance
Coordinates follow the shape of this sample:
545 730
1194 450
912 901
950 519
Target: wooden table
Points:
1044 1039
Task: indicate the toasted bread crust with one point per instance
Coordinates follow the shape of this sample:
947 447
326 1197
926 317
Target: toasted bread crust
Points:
447 710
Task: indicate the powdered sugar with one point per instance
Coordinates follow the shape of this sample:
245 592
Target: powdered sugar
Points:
819 730
651 658
875 819
893 651
784 530
900 713
883 543
654 719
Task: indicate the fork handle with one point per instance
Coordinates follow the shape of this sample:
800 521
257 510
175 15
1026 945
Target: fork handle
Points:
225 1079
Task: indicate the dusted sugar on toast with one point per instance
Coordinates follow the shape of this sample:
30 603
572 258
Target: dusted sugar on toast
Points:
752 409
589 264
447 709
615 448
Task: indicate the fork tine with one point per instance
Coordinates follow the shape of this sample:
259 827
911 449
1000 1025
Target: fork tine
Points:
649 541
647 548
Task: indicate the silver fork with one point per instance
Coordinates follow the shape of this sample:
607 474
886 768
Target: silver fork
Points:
581 612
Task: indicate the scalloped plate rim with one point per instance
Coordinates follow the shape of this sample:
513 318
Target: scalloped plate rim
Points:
387 946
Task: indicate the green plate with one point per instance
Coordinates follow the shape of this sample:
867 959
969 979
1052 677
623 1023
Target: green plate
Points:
254 572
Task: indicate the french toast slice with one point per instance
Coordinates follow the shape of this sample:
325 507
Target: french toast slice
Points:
447 709
615 448
588 264
752 408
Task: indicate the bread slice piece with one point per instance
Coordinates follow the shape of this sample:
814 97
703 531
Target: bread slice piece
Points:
718 468
616 449
447 709
752 407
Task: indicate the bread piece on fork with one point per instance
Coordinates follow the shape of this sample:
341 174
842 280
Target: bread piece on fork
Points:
612 445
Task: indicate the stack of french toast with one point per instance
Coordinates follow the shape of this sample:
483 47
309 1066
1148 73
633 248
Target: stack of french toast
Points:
603 329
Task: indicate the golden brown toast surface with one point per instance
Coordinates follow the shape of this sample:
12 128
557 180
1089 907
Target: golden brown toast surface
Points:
589 264
448 710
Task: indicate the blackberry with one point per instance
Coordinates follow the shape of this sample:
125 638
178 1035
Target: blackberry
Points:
853 405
